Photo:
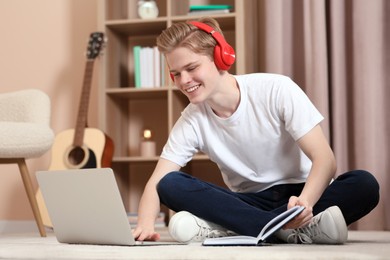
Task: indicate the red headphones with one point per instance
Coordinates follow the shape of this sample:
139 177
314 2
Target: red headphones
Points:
224 55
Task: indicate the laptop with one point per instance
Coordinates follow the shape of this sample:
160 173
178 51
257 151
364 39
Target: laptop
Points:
85 207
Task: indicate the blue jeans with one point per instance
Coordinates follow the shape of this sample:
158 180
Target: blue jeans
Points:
356 193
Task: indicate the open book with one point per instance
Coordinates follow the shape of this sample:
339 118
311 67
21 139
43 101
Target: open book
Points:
272 226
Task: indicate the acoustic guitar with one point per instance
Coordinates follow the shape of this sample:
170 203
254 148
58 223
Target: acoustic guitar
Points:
82 147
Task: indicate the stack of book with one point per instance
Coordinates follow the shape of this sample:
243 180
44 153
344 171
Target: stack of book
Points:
133 219
150 70
209 9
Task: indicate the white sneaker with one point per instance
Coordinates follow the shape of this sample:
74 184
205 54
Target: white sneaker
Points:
186 227
327 227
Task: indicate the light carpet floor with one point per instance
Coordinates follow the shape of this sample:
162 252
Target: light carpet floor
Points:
360 245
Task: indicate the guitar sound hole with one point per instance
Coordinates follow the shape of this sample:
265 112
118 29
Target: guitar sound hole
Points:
76 156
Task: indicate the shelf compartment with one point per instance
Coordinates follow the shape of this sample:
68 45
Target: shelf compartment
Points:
128 117
147 114
124 9
120 59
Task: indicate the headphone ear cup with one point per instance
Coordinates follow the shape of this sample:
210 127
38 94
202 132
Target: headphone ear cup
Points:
218 58
224 56
228 55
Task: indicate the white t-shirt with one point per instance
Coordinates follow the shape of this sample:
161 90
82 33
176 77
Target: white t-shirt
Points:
255 147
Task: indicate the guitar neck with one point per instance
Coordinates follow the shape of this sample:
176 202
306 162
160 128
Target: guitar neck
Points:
82 115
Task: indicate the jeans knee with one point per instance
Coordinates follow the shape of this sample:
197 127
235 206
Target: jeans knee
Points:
368 184
170 183
368 180
372 186
167 182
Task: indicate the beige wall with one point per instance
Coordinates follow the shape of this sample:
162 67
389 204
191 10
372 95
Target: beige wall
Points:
42 45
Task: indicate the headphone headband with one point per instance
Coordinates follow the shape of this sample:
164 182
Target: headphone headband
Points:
204 27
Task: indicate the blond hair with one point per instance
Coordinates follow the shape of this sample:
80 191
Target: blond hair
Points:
183 34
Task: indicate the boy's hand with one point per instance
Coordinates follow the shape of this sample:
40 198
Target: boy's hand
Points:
144 234
302 219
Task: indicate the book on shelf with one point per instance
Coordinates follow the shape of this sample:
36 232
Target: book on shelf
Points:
146 62
137 69
164 70
270 228
209 9
133 219
149 67
156 67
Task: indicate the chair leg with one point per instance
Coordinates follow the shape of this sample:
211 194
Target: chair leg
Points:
31 196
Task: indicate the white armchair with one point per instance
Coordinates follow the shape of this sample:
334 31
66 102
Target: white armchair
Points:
25 133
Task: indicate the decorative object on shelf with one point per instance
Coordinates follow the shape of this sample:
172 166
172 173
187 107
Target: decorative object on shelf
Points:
148 146
147 9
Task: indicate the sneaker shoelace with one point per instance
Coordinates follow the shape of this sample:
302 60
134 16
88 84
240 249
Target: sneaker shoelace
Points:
304 235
